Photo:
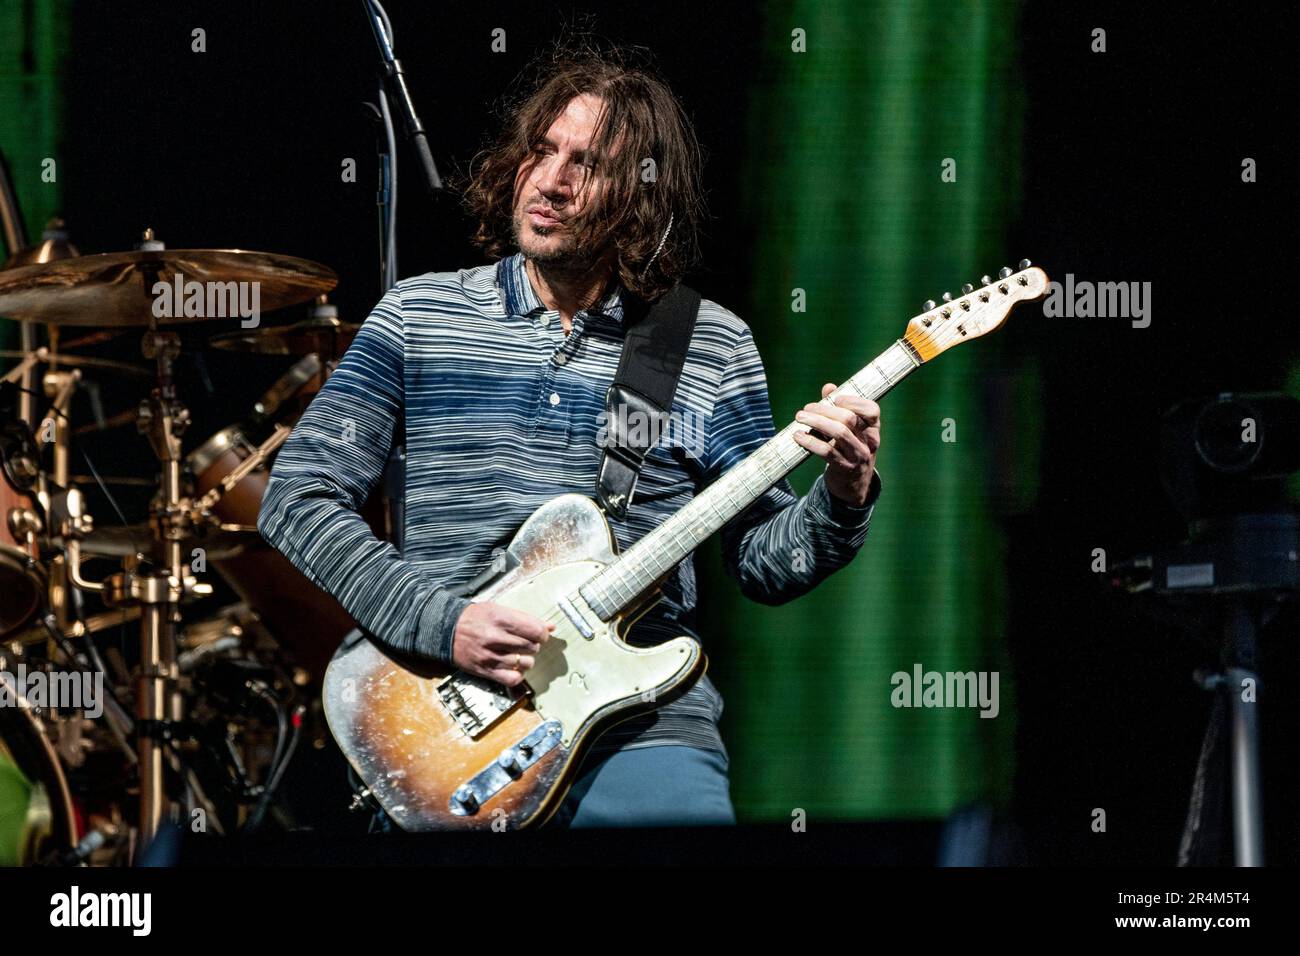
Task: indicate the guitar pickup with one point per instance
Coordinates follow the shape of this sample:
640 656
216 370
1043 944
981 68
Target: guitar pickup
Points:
575 617
470 796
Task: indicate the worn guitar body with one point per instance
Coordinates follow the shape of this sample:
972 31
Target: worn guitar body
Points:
441 750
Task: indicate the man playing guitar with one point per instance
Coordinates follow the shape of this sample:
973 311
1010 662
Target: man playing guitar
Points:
498 376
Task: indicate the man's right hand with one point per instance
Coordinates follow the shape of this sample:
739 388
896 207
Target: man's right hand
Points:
498 642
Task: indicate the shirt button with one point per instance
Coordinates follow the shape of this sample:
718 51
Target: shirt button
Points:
555 398
544 320
561 359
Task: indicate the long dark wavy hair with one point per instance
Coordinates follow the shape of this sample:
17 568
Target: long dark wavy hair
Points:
654 176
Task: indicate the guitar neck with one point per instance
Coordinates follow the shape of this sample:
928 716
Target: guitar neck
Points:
638 570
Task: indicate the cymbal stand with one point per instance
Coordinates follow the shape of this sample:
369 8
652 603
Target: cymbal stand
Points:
159 587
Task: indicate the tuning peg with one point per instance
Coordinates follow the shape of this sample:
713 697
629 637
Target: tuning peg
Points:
1004 272
1024 264
985 280
947 297
967 289
928 305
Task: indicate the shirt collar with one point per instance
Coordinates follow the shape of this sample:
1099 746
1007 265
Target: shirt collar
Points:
520 298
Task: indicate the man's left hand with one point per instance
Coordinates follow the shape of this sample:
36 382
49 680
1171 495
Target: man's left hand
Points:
852 426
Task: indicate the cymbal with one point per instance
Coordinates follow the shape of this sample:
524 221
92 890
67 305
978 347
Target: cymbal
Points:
116 288
117 541
137 481
84 361
54 245
328 338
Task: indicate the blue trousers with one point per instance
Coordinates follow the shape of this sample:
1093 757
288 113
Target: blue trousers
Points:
671 785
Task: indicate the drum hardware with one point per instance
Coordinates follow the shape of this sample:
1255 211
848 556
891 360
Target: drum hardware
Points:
88 846
137 541
43 356
23 579
54 246
29 361
302 372
118 726
235 681
158 588
115 290
256 460
103 621
59 388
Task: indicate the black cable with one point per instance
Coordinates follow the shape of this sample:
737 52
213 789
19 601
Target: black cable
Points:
286 742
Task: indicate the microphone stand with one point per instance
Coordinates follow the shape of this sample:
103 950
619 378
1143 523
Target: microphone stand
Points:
392 88
395 81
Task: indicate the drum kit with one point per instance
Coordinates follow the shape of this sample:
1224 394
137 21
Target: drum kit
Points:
198 719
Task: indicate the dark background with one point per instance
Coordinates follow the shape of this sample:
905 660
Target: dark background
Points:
241 147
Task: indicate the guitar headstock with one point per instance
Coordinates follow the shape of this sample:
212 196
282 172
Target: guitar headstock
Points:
975 312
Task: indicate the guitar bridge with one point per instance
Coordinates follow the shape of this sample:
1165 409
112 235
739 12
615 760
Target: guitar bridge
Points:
513 761
474 703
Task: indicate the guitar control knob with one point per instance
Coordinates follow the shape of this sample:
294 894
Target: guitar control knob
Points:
509 761
1004 272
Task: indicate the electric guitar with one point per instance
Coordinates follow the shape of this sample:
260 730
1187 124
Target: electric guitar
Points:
441 749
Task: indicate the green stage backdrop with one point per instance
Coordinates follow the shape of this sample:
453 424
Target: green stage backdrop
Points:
33 42
849 142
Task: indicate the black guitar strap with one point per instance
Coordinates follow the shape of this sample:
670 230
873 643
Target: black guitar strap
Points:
654 350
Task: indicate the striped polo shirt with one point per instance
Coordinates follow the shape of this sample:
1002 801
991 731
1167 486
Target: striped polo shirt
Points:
503 411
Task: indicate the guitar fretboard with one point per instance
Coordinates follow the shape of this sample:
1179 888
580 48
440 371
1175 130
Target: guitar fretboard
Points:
651 559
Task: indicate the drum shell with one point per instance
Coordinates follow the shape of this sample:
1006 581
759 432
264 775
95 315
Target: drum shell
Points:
307 621
25 746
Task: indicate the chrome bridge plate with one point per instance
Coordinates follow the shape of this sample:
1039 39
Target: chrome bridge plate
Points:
476 704
507 768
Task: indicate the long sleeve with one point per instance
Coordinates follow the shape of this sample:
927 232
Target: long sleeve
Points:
324 474
782 546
